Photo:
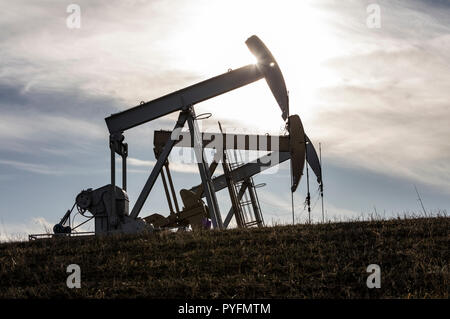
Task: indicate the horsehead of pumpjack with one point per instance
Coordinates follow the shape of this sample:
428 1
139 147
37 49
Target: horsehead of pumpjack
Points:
274 77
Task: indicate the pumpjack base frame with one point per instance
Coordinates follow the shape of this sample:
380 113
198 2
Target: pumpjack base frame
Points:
33 237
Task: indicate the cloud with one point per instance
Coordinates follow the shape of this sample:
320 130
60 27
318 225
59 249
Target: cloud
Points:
140 163
37 225
35 127
122 60
36 132
56 169
174 166
277 209
29 167
392 116
388 109
338 214
20 231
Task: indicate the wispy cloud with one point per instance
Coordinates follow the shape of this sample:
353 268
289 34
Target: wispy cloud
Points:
30 167
125 64
388 109
39 134
20 231
392 115
174 166
37 225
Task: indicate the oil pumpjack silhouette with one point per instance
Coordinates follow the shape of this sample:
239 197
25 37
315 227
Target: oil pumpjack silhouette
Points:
109 205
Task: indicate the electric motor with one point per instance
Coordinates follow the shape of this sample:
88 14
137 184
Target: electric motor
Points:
84 200
60 229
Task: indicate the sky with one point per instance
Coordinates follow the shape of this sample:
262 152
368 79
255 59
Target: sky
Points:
375 93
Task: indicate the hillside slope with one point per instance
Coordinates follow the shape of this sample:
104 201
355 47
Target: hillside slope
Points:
303 261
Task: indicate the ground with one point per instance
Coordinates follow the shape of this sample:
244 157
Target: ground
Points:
303 261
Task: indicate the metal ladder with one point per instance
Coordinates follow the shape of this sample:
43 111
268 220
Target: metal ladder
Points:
249 207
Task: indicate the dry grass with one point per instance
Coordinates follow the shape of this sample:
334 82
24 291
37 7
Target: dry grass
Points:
304 261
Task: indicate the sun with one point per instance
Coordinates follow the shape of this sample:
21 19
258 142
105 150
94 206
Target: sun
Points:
295 32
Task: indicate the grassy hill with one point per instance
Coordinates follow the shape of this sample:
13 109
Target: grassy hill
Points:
303 261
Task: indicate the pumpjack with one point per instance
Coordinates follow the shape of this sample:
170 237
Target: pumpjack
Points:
109 205
294 147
